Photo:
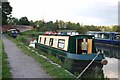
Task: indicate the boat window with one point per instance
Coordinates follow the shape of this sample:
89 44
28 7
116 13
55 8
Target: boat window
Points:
16 32
99 35
117 37
96 35
40 40
61 43
44 40
12 31
105 36
51 42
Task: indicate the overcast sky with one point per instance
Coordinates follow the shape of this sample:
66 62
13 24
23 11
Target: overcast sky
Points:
87 12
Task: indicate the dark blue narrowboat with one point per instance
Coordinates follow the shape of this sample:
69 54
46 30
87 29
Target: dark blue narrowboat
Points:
13 32
112 38
70 51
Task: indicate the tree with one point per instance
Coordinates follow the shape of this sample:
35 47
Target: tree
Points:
81 30
72 26
13 21
49 25
116 28
52 26
23 21
56 26
61 24
6 11
31 23
39 25
91 28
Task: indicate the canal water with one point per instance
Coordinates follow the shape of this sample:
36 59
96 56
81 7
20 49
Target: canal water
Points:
112 53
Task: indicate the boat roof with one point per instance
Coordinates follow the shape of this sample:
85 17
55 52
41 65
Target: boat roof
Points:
107 32
80 35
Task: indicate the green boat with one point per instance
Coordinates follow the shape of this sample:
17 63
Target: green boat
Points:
77 51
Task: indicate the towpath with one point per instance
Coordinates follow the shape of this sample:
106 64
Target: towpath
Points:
22 66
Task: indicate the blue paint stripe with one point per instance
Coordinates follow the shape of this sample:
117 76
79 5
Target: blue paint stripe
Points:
85 56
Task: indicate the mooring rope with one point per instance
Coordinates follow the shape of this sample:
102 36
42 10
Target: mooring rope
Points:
87 67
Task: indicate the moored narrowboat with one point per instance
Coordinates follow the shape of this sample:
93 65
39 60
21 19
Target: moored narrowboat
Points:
77 51
112 38
13 32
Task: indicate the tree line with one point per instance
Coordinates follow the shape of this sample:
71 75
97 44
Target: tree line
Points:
41 25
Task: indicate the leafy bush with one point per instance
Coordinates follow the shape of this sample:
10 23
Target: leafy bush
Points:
21 39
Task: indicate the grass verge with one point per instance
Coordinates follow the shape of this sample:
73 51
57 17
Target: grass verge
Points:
0 59
4 65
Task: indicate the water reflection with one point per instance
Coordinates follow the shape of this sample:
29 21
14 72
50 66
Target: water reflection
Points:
111 69
111 51
112 54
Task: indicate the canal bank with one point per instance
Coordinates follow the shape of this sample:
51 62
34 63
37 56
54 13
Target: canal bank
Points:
111 70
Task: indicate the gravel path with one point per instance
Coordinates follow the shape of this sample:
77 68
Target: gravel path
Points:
22 66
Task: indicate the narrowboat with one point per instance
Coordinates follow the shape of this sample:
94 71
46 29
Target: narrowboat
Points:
13 32
71 50
112 38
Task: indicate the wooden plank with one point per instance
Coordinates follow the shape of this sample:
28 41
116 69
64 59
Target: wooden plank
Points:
76 46
89 46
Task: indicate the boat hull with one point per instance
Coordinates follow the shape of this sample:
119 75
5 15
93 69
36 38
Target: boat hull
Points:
79 66
73 62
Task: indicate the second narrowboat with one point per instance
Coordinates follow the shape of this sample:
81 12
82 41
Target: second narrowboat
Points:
112 38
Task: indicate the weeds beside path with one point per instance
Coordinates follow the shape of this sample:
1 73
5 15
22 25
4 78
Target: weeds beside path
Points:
4 64
0 58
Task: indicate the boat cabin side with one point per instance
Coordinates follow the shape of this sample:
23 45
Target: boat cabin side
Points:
58 42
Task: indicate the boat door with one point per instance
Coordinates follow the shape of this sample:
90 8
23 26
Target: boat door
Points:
83 46
78 46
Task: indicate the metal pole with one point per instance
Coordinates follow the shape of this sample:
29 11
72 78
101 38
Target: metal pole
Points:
87 66
1 1
1 18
